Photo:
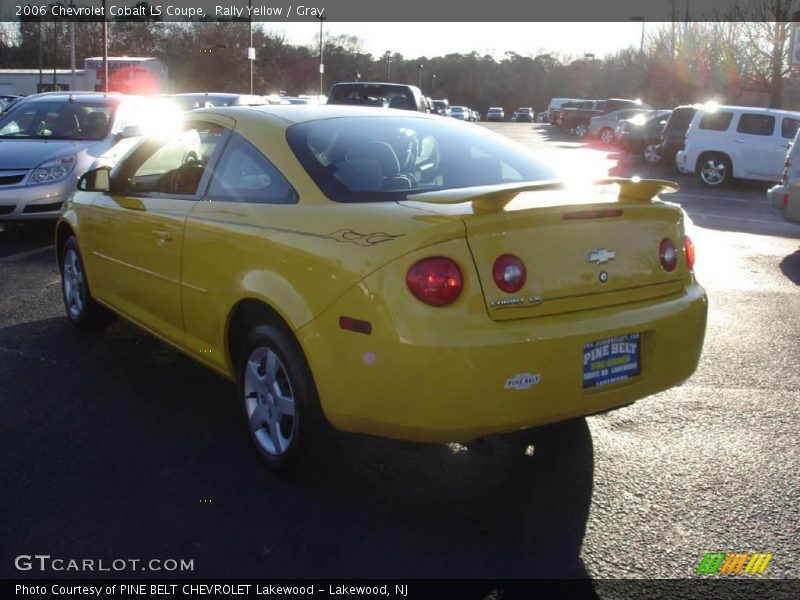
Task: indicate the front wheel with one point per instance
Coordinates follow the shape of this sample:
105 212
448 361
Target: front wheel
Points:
607 136
82 310
714 169
279 395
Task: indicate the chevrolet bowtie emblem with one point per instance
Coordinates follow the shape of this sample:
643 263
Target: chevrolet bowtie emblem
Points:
601 256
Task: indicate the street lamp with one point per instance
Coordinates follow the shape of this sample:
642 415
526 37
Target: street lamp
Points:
388 57
641 44
420 66
321 64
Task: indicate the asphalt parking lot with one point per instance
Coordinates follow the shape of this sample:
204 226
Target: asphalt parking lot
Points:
114 446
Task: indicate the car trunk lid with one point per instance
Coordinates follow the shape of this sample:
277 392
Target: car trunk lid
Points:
581 249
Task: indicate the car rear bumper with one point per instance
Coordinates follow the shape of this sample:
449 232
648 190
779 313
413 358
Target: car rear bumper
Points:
437 385
681 161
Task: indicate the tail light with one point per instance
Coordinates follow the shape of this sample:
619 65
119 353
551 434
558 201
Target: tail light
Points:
509 273
436 281
688 251
668 255
785 200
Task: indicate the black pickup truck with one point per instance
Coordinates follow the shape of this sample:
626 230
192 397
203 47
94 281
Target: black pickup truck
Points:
577 119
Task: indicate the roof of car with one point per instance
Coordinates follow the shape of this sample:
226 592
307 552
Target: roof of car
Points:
77 96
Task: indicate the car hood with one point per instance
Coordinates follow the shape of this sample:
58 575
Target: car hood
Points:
28 154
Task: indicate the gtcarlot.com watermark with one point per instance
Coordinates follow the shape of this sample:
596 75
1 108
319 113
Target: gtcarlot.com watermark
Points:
44 563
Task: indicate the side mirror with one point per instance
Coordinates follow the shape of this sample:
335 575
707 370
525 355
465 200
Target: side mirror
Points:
96 180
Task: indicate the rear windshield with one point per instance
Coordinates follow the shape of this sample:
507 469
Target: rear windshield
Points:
390 96
369 159
680 119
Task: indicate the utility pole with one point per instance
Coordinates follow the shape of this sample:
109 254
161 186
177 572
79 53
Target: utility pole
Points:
55 55
105 47
321 64
250 50
41 79
72 50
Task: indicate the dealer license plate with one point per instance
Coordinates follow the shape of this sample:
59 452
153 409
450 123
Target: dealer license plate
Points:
611 360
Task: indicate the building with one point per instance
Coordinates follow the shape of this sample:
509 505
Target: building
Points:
127 74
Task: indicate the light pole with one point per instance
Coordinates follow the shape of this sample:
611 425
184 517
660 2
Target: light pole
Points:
420 66
388 57
641 43
250 50
433 83
321 64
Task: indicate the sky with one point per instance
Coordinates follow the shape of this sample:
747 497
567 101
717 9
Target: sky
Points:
413 40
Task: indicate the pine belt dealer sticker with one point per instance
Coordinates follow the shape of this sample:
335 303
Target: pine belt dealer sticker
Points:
611 360
522 381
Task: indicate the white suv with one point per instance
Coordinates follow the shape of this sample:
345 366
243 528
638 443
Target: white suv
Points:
737 141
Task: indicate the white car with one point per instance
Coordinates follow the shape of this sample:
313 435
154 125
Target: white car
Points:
723 142
786 195
48 141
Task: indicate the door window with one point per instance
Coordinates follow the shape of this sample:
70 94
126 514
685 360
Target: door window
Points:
755 124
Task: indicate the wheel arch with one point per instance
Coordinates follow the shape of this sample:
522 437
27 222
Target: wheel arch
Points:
243 316
707 153
64 230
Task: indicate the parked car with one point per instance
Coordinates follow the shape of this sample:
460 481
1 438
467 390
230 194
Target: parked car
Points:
190 101
524 115
553 108
495 113
6 101
642 134
578 119
603 127
459 112
724 142
442 107
786 195
387 95
674 136
48 140
302 267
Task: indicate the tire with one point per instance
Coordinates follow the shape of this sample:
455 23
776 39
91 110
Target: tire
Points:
607 136
81 308
714 169
279 397
651 154
581 129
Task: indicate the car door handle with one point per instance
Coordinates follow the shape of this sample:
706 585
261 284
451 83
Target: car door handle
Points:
164 236
739 141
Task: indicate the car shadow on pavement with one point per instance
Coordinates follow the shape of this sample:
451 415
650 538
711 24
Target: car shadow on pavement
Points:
790 266
116 446
24 237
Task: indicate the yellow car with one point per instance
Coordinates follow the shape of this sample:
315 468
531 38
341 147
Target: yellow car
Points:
401 274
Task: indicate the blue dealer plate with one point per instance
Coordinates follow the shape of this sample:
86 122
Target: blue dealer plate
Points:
611 360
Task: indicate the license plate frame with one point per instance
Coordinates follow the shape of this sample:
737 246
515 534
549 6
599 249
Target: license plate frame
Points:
612 360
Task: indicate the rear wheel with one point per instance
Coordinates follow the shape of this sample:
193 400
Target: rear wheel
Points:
279 396
714 169
581 130
651 153
607 136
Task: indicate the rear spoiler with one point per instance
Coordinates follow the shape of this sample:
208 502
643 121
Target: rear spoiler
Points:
494 198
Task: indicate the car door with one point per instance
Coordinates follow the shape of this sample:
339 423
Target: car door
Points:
136 236
752 145
227 239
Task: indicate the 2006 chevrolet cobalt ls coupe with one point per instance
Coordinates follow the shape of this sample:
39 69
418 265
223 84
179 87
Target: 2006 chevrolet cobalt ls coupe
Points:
399 274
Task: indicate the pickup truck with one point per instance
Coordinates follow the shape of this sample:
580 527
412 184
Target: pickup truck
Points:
577 119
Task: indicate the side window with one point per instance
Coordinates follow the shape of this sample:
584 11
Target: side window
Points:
245 175
173 166
716 121
754 124
789 127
